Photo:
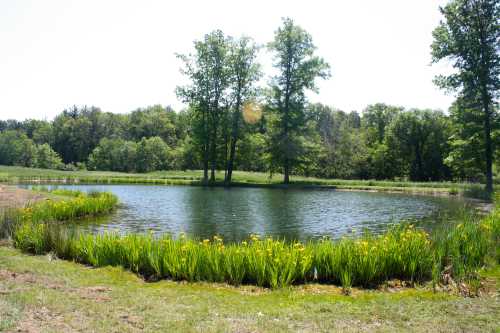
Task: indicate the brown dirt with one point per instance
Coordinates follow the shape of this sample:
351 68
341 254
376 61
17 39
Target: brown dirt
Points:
12 197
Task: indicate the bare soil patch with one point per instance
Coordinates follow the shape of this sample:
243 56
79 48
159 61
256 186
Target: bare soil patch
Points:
13 197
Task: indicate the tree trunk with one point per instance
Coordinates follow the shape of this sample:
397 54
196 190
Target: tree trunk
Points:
488 148
230 163
286 170
234 139
213 155
205 167
206 145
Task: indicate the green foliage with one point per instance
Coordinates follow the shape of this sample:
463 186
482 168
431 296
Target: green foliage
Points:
154 121
80 205
297 69
17 149
46 158
243 73
152 154
468 37
376 118
114 155
35 228
147 155
417 142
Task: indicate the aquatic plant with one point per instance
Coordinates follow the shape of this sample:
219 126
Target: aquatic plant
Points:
77 206
403 253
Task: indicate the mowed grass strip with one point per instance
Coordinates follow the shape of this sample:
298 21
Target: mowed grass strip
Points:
240 178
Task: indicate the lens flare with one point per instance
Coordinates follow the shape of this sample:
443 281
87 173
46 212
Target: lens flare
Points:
252 112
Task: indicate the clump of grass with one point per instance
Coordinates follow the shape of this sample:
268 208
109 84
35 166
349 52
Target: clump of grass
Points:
80 205
9 218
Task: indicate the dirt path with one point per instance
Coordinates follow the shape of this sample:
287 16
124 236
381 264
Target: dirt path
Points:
11 196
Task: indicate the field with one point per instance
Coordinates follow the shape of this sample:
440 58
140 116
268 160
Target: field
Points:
9 174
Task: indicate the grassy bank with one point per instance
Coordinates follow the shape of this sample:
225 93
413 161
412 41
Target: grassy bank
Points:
39 293
402 253
59 205
240 178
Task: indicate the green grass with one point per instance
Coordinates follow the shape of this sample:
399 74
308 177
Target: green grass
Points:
55 295
240 178
403 252
79 205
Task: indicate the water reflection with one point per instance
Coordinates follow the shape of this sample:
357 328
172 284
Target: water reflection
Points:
237 212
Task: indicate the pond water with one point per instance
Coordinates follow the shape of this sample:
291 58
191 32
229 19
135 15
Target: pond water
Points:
234 213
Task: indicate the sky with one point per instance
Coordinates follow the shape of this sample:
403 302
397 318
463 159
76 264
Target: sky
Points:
120 55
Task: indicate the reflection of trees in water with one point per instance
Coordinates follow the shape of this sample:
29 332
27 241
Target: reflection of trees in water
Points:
218 211
283 212
236 213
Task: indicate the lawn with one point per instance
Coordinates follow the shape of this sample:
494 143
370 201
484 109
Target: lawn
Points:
39 293
240 178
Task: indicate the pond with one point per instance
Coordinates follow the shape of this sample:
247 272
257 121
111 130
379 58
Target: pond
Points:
235 213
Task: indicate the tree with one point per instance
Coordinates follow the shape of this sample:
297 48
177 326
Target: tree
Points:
417 140
297 70
152 121
208 71
47 158
75 133
244 71
469 37
152 154
376 118
17 149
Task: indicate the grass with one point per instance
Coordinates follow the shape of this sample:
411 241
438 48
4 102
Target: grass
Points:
240 178
79 205
402 253
44 294
60 205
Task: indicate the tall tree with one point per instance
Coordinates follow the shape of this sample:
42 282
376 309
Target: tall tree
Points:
469 37
206 95
244 72
297 70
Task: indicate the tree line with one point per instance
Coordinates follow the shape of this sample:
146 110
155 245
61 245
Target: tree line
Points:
382 142
232 122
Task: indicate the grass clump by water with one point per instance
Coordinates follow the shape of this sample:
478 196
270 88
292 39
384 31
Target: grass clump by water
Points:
78 206
403 252
27 226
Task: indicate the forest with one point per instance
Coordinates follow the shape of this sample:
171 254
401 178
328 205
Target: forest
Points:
234 122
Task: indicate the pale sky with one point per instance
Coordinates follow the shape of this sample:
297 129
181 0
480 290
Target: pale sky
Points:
120 55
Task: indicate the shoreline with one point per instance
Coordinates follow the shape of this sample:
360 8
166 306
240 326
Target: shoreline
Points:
437 191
